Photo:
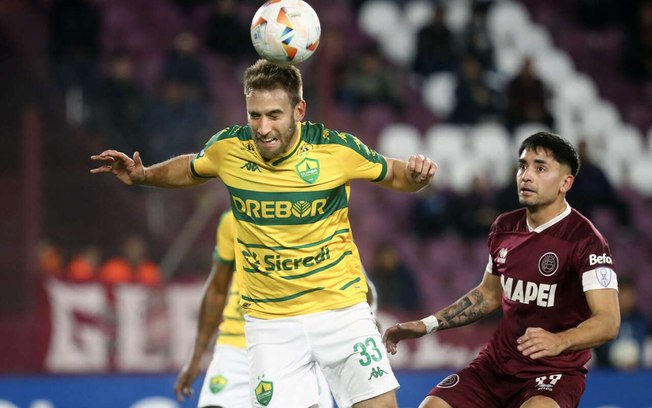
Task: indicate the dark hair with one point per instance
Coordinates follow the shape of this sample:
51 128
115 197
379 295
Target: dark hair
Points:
265 75
562 150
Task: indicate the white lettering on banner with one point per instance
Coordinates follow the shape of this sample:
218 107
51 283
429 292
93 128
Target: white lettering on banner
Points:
183 301
142 315
76 346
135 328
132 311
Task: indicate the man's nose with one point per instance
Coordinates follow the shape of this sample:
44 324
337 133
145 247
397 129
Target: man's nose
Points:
525 174
265 126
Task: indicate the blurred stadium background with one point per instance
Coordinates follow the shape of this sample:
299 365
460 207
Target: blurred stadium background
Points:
463 81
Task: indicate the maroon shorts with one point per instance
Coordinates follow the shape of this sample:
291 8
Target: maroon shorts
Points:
480 386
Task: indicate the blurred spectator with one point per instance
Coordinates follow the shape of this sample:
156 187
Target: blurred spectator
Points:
75 27
226 35
432 212
394 281
474 211
526 98
637 53
627 351
84 266
183 65
435 50
599 14
475 101
50 259
369 80
132 266
477 41
592 189
176 123
121 106
188 6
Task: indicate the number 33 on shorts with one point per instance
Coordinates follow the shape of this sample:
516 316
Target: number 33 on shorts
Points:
370 353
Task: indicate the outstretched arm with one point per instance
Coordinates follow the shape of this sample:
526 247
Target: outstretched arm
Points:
210 315
479 303
411 175
602 326
172 173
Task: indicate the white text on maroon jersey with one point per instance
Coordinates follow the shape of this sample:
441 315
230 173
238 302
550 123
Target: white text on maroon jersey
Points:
525 292
600 259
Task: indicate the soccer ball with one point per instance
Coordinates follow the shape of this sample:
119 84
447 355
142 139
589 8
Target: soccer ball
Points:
285 31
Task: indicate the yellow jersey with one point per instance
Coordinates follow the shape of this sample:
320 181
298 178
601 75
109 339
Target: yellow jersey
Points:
231 330
294 247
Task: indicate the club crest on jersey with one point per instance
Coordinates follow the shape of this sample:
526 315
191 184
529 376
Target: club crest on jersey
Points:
502 256
449 382
308 170
548 263
604 276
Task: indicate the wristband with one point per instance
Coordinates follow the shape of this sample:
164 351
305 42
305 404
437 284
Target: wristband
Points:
432 324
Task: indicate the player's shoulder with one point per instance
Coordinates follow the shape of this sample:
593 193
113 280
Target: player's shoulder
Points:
319 134
227 215
235 132
581 228
509 221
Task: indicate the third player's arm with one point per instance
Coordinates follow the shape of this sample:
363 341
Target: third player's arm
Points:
212 306
210 314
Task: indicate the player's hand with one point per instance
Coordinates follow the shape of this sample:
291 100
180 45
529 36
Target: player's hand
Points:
420 169
127 170
537 343
183 385
402 331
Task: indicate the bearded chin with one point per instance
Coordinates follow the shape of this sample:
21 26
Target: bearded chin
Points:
292 130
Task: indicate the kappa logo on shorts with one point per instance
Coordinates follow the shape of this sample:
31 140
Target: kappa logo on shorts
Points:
449 382
376 372
548 263
264 392
217 383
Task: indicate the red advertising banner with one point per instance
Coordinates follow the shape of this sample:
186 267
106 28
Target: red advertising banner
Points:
134 328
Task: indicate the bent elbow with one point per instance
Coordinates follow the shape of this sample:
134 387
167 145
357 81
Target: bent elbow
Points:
613 330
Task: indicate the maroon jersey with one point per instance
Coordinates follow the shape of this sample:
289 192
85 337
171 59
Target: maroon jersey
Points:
544 273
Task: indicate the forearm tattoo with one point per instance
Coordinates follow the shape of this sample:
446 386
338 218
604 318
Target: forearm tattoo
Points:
467 310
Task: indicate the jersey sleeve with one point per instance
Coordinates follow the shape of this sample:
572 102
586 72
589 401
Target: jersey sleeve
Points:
491 266
595 264
206 164
225 240
359 160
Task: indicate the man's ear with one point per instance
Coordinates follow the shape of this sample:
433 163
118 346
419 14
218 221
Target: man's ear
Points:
299 111
567 183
